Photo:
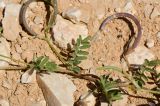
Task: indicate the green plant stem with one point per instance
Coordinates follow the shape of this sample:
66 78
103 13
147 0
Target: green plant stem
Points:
60 57
130 79
54 50
53 16
12 68
81 76
150 91
47 29
14 60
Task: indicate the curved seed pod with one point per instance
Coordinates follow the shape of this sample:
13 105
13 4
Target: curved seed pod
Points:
125 15
22 17
23 10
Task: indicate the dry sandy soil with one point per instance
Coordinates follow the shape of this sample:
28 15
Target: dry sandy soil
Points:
105 51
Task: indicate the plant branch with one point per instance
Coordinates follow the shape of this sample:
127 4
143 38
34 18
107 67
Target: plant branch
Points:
150 91
53 16
12 68
14 60
81 76
54 50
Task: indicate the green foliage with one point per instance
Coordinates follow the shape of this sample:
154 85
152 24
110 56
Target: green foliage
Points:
151 63
1 31
78 54
109 88
43 63
150 67
146 74
113 68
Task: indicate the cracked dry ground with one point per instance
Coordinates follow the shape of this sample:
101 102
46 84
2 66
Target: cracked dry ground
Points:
105 51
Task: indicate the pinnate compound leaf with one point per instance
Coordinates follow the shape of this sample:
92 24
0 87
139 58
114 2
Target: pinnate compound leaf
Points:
152 62
113 68
51 66
81 58
86 46
80 52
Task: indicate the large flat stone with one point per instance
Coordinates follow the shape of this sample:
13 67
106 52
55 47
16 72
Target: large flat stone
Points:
11 26
57 89
65 31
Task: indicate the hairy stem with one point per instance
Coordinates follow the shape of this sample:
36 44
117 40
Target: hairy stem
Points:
13 68
53 16
54 50
14 60
150 91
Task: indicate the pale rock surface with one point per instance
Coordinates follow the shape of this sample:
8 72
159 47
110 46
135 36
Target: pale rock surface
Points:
148 10
38 20
2 4
57 89
90 100
149 43
73 14
28 78
11 26
77 14
4 102
129 7
93 71
104 104
86 99
65 31
158 35
139 55
156 12
5 51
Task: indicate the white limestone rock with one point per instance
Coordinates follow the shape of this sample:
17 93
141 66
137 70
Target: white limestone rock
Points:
139 55
11 26
129 7
72 14
155 13
150 43
158 34
4 102
28 77
148 10
65 31
57 89
78 14
2 4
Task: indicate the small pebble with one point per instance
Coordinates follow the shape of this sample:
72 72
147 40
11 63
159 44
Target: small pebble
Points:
38 20
158 35
149 43
155 13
